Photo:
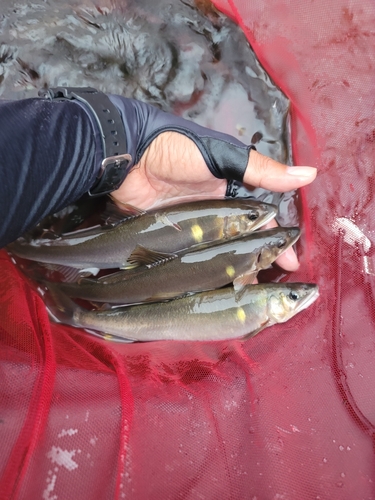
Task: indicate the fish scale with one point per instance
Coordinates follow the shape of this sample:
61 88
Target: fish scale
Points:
214 315
173 230
196 271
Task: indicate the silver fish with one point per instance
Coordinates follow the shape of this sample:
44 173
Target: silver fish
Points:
236 261
213 315
165 232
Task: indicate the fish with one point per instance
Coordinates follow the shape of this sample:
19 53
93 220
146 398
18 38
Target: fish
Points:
69 218
205 316
236 261
166 232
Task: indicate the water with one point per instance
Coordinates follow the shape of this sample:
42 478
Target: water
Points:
182 56
168 53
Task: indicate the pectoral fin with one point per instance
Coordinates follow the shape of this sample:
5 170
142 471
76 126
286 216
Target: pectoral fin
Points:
255 332
144 257
166 221
241 281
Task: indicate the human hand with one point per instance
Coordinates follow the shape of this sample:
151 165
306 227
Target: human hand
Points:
175 159
173 168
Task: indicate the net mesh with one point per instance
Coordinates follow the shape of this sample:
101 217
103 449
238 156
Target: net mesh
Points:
289 414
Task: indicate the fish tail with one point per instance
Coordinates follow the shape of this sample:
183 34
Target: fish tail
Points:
59 306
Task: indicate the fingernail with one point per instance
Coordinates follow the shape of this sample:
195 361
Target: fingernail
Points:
302 171
292 259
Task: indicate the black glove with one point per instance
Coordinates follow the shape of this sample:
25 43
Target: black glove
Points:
225 156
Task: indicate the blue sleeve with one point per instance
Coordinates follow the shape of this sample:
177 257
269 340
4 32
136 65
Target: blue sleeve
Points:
48 159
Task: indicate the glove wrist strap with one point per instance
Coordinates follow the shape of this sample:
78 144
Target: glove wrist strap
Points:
114 166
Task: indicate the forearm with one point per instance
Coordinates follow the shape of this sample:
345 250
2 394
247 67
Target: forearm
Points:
48 159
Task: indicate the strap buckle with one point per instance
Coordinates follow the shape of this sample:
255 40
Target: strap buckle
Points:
111 174
114 167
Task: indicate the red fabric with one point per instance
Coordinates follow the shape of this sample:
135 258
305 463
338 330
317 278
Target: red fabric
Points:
289 414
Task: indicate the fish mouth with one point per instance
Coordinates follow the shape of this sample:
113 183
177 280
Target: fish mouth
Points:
294 234
270 215
308 300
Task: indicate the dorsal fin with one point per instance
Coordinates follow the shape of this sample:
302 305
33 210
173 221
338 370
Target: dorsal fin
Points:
142 256
71 274
110 217
115 213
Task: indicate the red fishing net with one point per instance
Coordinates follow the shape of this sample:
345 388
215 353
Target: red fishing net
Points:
289 414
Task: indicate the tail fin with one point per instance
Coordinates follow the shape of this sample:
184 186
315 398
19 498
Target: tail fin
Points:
59 306
62 309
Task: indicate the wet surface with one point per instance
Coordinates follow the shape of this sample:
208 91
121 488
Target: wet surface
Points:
181 56
195 63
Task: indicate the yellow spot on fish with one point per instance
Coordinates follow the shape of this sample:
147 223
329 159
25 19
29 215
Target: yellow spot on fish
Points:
107 336
197 232
230 271
241 315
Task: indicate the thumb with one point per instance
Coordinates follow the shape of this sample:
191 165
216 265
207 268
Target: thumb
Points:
264 172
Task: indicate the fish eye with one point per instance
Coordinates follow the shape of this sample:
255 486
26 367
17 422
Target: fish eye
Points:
281 243
253 215
293 295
